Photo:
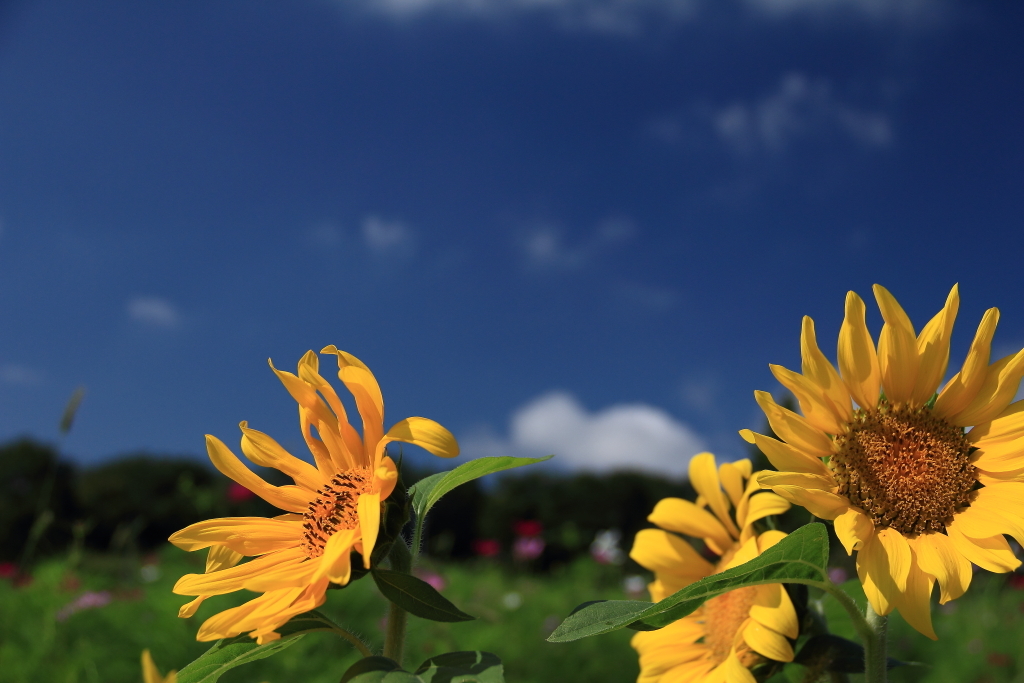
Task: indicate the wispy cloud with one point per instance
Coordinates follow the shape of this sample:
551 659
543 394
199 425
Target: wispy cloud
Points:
878 10
387 237
19 375
628 436
154 312
545 247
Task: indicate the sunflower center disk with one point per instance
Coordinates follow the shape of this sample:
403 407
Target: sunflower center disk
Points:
906 468
333 509
723 616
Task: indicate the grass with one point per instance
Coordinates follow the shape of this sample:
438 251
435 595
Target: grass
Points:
981 635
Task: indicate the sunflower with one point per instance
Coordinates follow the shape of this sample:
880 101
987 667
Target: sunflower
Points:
737 630
151 674
915 494
333 508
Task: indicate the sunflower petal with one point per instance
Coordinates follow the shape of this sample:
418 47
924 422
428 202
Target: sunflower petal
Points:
992 553
988 516
792 428
811 398
854 529
858 362
819 503
682 516
937 556
665 553
883 564
933 349
234 578
732 481
914 603
819 370
265 452
426 434
244 535
773 608
290 498
767 642
996 393
704 478
784 457
369 523
369 400
1008 425
732 671
964 386
340 543
897 349
764 505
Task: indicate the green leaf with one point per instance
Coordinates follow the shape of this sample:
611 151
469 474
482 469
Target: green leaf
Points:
801 557
228 653
417 596
454 667
427 491
378 670
462 667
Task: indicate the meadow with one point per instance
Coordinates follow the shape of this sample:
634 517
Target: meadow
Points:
86 619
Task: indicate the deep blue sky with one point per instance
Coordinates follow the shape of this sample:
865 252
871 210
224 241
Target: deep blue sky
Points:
627 203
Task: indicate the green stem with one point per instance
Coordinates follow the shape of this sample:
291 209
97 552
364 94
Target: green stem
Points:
394 637
417 539
356 641
876 663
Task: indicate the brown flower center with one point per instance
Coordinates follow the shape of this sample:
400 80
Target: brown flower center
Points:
333 509
906 468
723 616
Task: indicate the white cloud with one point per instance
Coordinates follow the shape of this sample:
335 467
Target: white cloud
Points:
799 108
545 247
19 375
386 237
154 312
628 436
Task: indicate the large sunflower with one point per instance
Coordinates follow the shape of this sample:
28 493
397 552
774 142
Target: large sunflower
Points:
333 508
729 634
915 495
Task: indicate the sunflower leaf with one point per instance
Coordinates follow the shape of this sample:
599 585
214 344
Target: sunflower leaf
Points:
427 491
801 557
453 667
417 596
378 670
228 653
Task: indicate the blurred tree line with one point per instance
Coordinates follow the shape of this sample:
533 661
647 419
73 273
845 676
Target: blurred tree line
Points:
136 501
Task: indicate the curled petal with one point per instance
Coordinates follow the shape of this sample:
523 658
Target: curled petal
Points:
291 498
854 529
682 516
792 428
858 362
426 434
964 386
783 456
1001 383
933 349
897 349
937 556
704 478
817 369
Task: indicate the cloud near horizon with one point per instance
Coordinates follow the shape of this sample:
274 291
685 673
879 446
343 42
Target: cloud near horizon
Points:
633 436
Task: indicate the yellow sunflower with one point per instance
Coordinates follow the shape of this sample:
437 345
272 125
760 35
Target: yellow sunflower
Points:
729 634
151 674
919 498
333 508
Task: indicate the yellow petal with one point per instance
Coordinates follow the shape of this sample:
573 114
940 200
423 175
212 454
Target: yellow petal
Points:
340 543
883 565
298 574
897 349
221 557
290 498
993 478
426 434
764 505
784 457
234 621
819 503
189 608
933 349
324 462
704 478
937 556
150 674
768 539
1008 425
773 608
792 428
747 551
265 452
245 535
808 481
1000 456
662 552
854 529
340 570
364 388
989 515
811 399
369 523
385 477
819 370
304 395
767 642
732 481
309 372
992 553
732 671
964 386
996 393
914 603
682 516
858 362
234 578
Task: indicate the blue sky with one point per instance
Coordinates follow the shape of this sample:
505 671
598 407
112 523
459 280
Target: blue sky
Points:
580 226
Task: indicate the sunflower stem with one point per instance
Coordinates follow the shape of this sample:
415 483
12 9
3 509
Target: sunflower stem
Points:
875 660
394 637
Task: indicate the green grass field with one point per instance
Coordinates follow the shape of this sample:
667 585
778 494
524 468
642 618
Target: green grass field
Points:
981 635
